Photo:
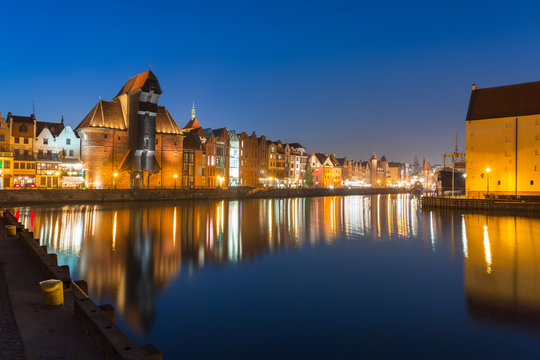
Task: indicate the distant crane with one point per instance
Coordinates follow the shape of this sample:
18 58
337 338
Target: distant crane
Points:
455 155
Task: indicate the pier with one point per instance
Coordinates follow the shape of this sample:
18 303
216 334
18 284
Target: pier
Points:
470 204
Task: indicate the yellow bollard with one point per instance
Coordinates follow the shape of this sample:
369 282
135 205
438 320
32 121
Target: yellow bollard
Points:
54 291
12 230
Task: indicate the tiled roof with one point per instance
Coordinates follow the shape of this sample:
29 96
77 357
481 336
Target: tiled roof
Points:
105 114
108 114
54 128
505 101
193 124
145 81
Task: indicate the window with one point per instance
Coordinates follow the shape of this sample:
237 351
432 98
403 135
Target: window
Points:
16 140
104 136
499 182
45 141
16 152
22 165
71 153
49 152
40 152
25 152
7 164
23 128
26 140
2 137
16 165
43 181
532 182
68 141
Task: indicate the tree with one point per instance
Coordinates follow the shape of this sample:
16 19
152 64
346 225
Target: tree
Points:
308 177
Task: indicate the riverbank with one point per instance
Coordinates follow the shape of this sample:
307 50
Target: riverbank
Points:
77 329
470 204
37 196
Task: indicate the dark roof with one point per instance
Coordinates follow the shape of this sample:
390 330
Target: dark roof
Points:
145 81
295 145
321 157
394 164
105 114
23 119
341 161
54 128
383 158
192 141
221 132
108 114
505 101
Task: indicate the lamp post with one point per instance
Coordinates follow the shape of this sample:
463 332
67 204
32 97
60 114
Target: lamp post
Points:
488 170
220 181
57 179
175 177
115 175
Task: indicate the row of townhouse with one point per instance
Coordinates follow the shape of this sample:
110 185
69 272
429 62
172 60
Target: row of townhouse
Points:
131 142
331 172
38 154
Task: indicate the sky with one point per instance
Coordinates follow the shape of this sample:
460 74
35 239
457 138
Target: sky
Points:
351 78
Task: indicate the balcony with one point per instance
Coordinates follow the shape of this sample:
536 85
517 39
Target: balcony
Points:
6 154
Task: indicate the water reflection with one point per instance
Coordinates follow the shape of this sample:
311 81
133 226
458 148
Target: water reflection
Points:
502 268
129 254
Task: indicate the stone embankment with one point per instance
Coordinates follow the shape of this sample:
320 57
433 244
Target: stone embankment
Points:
77 329
23 197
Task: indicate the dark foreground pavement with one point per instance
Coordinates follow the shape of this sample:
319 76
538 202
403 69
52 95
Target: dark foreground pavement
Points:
31 329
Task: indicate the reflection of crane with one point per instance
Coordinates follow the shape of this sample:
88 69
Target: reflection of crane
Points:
455 155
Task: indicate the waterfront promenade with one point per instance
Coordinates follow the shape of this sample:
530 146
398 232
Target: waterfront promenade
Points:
76 329
62 196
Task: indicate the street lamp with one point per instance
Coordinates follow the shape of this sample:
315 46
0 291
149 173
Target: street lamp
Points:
488 170
220 180
115 175
57 179
175 176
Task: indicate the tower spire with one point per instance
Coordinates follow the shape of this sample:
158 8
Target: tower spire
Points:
193 111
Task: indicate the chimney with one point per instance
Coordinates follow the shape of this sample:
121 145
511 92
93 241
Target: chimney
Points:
474 86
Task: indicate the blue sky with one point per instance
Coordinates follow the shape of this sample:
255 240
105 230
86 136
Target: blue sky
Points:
353 78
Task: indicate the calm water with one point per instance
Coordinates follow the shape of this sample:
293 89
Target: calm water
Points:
307 278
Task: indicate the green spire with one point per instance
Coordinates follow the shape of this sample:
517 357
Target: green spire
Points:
193 111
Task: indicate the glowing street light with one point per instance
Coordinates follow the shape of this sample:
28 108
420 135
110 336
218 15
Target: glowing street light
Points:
57 179
220 180
115 175
175 176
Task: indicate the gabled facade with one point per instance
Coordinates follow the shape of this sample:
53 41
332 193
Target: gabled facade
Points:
22 144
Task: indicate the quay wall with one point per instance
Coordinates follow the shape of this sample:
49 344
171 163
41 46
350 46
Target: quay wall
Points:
41 196
473 204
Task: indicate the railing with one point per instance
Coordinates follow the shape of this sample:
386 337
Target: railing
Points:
6 154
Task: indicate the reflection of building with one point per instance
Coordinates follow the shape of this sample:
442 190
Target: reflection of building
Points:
503 134
132 137
502 268
128 254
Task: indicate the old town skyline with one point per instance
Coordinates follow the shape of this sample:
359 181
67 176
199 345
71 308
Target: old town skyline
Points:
396 76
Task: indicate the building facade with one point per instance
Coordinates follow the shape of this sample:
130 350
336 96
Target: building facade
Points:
131 141
503 141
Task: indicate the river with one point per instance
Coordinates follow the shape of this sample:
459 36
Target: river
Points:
328 277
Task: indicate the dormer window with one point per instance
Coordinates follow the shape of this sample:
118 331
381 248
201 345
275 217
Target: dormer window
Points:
23 128
68 141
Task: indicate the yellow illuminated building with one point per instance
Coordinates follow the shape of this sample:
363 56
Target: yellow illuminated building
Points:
503 141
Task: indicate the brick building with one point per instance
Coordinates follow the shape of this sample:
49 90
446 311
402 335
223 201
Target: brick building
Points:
131 142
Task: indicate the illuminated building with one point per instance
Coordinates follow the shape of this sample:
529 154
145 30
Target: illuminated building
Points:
503 134
22 138
133 137
234 159
326 170
6 156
